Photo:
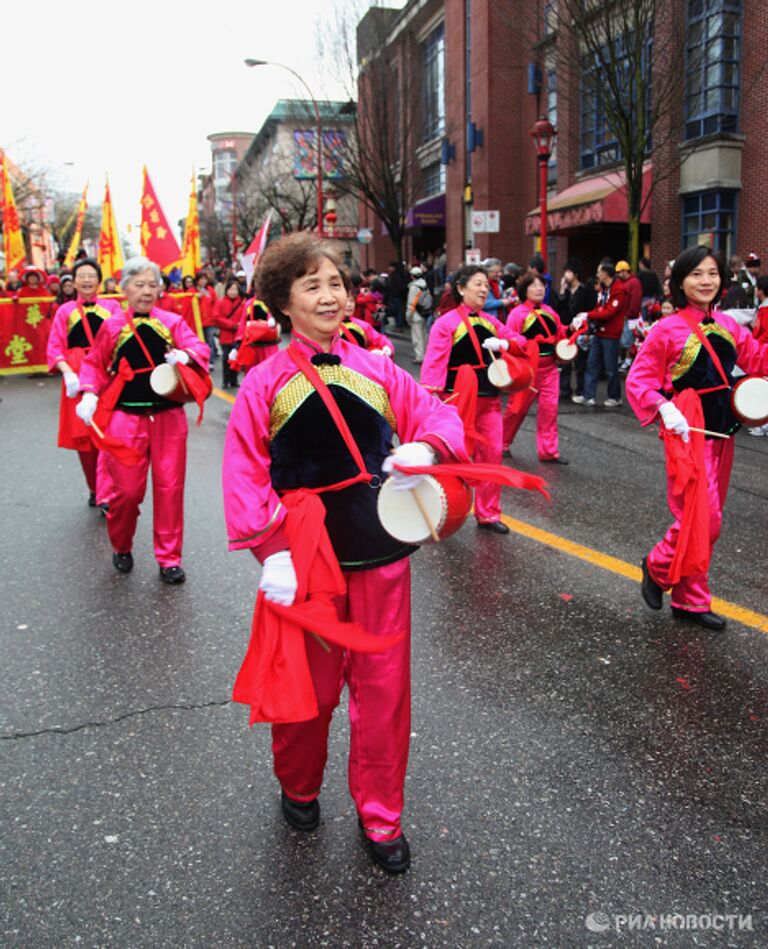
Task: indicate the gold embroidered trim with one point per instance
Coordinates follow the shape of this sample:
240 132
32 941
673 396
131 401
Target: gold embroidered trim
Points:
461 330
126 332
74 317
299 388
693 347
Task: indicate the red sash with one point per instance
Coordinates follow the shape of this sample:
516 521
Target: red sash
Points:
693 325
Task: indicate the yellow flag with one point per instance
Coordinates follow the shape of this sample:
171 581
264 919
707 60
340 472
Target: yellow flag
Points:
74 244
13 239
191 261
111 258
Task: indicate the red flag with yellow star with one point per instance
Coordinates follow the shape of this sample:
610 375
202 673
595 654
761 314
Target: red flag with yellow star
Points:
157 240
110 249
13 239
74 244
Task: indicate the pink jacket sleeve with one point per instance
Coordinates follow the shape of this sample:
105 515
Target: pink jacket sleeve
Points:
184 338
57 337
434 369
94 372
376 340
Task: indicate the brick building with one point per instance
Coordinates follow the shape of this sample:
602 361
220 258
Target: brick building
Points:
498 65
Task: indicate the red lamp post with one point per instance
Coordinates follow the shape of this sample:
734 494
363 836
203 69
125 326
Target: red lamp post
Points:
543 134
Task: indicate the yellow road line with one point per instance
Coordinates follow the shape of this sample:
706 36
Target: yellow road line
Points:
223 395
606 562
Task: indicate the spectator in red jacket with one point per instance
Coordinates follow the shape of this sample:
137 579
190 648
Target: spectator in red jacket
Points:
608 319
226 315
634 289
206 301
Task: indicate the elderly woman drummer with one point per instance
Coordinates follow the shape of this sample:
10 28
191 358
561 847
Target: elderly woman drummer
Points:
126 348
696 348
285 435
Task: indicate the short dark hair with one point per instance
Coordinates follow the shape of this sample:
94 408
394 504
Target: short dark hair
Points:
233 282
762 284
462 277
574 265
608 268
528 279
285 261
645 262
687 261
86 262
537 263
347 279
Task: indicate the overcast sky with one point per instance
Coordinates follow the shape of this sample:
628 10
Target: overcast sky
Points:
109 88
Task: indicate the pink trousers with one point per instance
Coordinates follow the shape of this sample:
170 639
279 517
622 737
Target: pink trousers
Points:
692 593
547 381
379 705
488 423
162 440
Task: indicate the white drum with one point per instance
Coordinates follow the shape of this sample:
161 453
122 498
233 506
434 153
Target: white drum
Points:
499 376
164 381
566 350
445 500
749 400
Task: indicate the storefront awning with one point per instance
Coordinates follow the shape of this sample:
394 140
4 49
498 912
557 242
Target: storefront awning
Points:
427 213
600 200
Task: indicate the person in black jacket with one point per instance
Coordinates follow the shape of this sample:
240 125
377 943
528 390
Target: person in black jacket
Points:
573 297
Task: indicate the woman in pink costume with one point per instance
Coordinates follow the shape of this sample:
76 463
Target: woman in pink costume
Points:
534 320
128 346
249 348
283 437
360 332
73 331
694 348
466 336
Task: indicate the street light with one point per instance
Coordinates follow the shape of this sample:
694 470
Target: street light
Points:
264 62
543 134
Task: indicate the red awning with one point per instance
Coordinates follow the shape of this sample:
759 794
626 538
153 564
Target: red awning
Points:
600 200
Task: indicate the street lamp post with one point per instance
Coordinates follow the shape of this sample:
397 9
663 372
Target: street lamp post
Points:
319 124
543 134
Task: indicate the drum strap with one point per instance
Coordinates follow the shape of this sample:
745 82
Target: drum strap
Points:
693 325
86 324
463 310
363 476
140 341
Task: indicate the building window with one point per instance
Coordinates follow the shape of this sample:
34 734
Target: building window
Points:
709 217
551 80
598 142
224 163
434 179
713 49
434 84
550 16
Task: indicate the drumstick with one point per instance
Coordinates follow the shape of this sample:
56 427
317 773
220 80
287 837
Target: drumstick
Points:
706 431
96 429
425 515
322 642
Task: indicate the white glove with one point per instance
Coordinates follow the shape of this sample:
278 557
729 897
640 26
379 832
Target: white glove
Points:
495 344
384 351
278 578
271 321
411 454
674 420
176 356
232 358
579 320
86 407
71 384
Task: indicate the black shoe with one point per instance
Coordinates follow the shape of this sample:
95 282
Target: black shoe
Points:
496 526
708 620
104 509
555 461
394 856
303 815
123 562
172 575
651 591
92 500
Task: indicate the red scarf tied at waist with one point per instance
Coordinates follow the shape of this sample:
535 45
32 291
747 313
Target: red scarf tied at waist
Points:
275 678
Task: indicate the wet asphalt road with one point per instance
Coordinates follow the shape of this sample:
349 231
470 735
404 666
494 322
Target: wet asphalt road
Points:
573 753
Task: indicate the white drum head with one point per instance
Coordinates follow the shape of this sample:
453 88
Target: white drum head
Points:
498 374
566 350
750 400
400 515
163 380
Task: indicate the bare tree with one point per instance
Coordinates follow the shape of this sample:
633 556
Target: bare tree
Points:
273 186
379 162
